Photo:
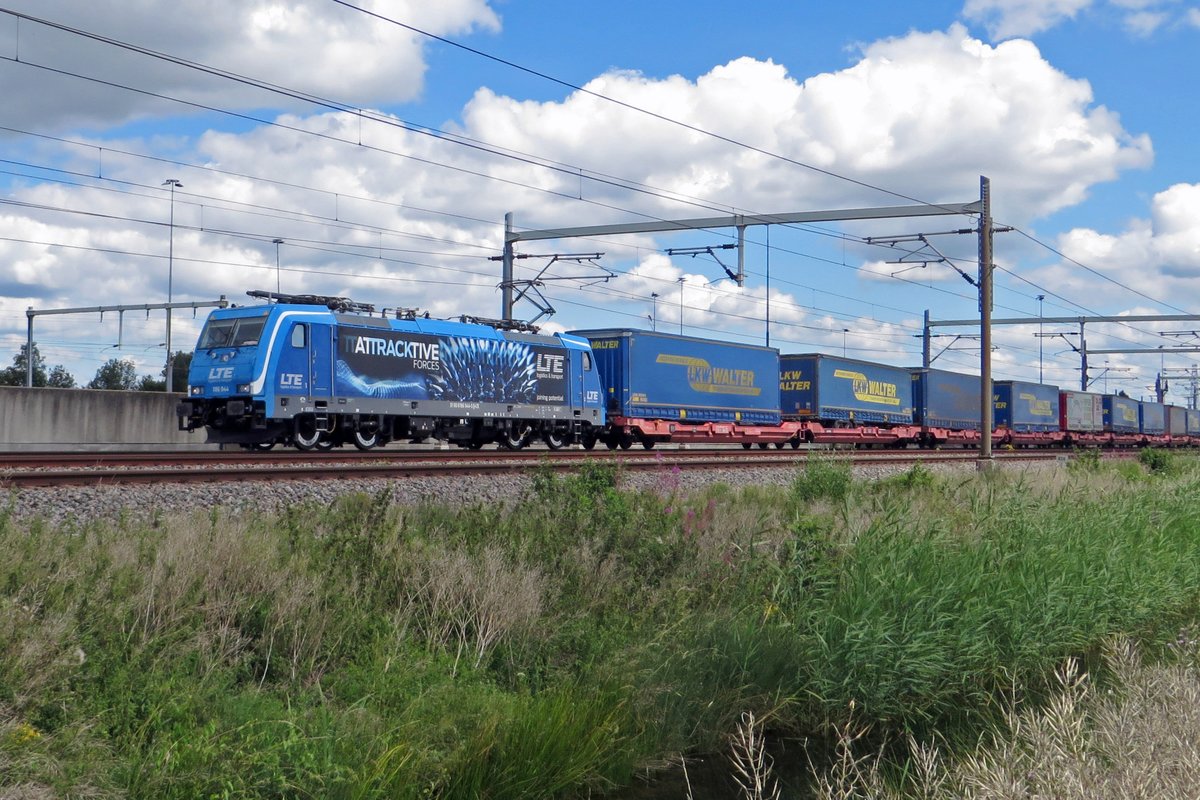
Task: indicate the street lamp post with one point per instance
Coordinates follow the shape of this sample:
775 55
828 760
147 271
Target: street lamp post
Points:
844 332
174 184
277 242
654 311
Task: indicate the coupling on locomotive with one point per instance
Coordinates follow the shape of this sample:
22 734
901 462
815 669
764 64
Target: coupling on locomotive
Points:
317 372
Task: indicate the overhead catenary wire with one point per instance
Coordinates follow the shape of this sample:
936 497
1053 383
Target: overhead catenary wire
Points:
685 124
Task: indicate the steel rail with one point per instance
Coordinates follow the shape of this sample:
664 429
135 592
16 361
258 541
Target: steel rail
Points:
491 464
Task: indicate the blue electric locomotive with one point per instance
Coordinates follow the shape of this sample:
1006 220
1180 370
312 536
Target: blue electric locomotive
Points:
317 372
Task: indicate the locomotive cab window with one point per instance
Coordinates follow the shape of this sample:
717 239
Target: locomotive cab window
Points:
217 333
248 331
587 362
299 335
232 332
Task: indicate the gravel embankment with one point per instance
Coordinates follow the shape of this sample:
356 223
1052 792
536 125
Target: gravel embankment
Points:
141 502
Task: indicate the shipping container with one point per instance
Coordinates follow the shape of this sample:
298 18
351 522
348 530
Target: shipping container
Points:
828 388
1120 414
652 375
1177 420
1152 418
1193 422
1026 407
944 399
1081 412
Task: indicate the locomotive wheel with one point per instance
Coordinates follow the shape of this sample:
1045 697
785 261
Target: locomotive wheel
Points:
324 443
306 436
589 442
366 440
554 441
474 444
514 439
626 442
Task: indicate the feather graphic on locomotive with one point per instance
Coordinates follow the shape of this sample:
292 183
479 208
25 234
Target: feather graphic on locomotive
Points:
318 372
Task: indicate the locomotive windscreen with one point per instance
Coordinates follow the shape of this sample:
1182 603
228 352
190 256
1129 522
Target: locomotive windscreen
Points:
235 332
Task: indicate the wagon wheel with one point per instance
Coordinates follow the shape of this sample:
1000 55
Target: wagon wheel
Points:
779 445
746 445
625 442
648 444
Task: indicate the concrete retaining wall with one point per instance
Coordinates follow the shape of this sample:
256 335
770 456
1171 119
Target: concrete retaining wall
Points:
91 419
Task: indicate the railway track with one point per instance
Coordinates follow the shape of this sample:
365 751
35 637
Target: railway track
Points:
21 470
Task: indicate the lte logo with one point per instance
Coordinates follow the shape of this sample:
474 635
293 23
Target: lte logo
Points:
291 380
550 363
220 374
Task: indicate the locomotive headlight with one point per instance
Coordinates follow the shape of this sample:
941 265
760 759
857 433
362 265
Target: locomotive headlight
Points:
196 390
243 388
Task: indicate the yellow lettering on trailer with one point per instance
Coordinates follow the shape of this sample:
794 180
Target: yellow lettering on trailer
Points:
704 377
1038 408
869 391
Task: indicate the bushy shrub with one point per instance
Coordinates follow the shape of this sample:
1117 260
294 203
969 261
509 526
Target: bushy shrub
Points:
1158 461
823 479
1086 460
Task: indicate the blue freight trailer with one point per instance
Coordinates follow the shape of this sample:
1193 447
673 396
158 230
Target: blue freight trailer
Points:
1026 407
814 386
663 376
1121 414
1152 419
944 399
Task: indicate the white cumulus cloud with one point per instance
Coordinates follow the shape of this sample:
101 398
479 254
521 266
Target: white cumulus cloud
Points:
314 46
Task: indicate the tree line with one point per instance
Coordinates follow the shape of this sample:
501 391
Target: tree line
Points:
116 373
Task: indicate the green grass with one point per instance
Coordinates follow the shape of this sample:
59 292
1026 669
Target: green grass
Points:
557 647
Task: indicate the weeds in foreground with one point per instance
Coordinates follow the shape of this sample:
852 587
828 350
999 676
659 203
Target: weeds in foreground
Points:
752 766
371 650
1139 739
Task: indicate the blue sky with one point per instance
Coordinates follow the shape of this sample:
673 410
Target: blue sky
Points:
1081 112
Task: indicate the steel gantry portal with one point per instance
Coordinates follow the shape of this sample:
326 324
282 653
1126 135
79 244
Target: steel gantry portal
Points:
1082 348
980 208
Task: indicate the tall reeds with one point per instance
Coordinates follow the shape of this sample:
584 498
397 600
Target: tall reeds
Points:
565 642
